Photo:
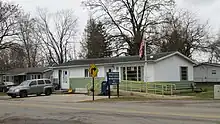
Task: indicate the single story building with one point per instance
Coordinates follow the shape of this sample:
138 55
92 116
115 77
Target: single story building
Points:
207 73
171 67
19 75
1 77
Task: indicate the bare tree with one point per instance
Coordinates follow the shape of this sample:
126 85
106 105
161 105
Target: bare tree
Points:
56 31
8 23
12 57
129 19
213 49
182 32
27 37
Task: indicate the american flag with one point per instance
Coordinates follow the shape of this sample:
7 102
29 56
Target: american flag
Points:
141 49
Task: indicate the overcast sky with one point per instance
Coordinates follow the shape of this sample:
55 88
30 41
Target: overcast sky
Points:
204 9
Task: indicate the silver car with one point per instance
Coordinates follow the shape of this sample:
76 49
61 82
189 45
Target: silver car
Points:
29 87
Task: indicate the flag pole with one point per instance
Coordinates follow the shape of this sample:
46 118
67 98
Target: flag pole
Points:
145 61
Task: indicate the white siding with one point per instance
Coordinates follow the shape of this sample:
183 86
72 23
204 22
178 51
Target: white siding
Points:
55 73
78 72
164 70
101 71
169 69
150 72
204 74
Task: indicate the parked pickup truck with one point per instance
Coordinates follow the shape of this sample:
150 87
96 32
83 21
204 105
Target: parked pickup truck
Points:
29 87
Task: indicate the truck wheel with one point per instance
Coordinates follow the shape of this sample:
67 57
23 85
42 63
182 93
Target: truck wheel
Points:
48 92
38 94
13 96
23 94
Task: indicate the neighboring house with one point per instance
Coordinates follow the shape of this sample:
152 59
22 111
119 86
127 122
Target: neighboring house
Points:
171 67
19 75
207 72
1 77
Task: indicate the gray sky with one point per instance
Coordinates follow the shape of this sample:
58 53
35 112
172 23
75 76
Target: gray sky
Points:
204 9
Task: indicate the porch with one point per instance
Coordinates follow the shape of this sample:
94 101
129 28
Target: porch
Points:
19 78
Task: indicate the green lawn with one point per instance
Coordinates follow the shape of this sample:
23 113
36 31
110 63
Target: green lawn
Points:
2 94
207 94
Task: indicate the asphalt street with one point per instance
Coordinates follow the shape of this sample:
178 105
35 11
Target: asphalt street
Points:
67 110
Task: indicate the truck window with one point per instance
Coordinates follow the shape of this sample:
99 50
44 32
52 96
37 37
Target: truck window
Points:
40 82
33 83
47 81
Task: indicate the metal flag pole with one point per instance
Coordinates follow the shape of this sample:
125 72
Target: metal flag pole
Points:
145 63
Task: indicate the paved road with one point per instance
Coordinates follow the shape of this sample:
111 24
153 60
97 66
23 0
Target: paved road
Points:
63 109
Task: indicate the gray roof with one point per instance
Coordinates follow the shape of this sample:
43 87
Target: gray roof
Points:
22 71
209 64
1 73
115 59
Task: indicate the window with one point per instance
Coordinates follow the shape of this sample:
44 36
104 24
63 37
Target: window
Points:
32 77
35 76
65 72
132 73
86 73
7 78
213 71
139 73
4 78
40 82
124 73
184 73
47 81
33 83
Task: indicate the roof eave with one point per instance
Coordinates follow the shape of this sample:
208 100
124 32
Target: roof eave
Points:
176 53
149 61
206 64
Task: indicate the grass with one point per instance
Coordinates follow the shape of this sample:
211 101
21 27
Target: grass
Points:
207 94
2 94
